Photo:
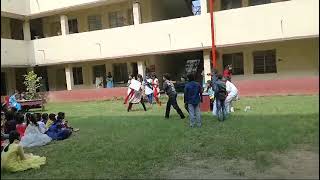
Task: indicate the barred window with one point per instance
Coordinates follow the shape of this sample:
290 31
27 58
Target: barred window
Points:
94 22
73 26
117 19
236 60
264 62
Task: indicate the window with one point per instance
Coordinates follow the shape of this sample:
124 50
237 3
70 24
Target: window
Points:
94 22
98 71
77 75
73 26
258 2
230 4
120 72
55 29
236 60
264 62
130 17
117 19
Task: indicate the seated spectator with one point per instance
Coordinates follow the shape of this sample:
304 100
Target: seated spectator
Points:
57 132
42 126
13 101
4 136
44 118
65 123
33 136
21 126
27 116
10 124
52 119
14 159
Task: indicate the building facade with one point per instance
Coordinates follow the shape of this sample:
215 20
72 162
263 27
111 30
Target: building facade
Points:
71 43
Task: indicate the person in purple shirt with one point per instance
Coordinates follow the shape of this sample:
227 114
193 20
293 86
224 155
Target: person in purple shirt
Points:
192 99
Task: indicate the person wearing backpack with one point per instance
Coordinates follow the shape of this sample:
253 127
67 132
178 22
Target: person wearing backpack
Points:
168 87
220 94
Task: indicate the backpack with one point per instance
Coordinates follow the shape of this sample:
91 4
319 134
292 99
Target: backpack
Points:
221 92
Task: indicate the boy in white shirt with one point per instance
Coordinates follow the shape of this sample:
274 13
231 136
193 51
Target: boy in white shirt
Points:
232 95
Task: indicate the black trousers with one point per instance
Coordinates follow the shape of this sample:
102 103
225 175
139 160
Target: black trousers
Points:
143 105
173 102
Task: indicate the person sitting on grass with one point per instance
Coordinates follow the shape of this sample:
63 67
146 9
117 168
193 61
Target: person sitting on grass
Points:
44 118
193 97
21 125
33 136
42 126
10 124
65 123
52 119
14 159
56 131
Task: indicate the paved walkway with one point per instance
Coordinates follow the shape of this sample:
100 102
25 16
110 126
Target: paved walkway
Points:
288 86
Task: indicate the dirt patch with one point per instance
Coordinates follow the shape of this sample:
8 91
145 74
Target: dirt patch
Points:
297 164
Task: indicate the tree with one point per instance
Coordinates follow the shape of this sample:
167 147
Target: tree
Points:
32 82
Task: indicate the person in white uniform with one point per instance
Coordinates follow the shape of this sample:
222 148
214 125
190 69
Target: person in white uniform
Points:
232 95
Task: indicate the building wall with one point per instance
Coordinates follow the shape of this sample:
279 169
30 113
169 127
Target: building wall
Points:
5 28
295 57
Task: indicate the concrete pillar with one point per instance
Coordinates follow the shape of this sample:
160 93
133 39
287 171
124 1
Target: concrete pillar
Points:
26 30
64 25
204 7
206 64
69 77
136 13
11 80
141 68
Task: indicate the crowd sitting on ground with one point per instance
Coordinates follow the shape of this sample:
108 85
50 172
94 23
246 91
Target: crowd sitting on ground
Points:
20 130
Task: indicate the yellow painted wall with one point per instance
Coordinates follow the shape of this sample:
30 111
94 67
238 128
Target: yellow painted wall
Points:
294 57
5 28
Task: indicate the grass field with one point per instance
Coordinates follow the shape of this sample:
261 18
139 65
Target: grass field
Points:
112 143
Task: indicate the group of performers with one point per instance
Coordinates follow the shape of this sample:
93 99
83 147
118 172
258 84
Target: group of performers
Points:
138 88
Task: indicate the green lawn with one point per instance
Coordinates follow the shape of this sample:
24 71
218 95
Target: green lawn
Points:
112 143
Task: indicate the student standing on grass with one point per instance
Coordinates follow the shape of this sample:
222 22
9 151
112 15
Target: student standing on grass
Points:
137 96
232 95
193 97
168 87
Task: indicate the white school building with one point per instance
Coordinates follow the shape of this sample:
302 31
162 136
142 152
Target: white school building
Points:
71 42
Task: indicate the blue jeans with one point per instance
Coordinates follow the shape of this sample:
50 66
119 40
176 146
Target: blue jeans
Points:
150 98
194 113
221 108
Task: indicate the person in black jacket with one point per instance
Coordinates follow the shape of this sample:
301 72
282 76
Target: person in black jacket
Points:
169 89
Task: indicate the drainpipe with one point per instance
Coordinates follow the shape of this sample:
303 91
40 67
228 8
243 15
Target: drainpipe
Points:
214 60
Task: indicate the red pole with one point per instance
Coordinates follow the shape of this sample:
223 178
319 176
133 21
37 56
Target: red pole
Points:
214 60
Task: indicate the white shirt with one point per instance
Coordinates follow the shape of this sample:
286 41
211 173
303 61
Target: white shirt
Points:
42 127
231 88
